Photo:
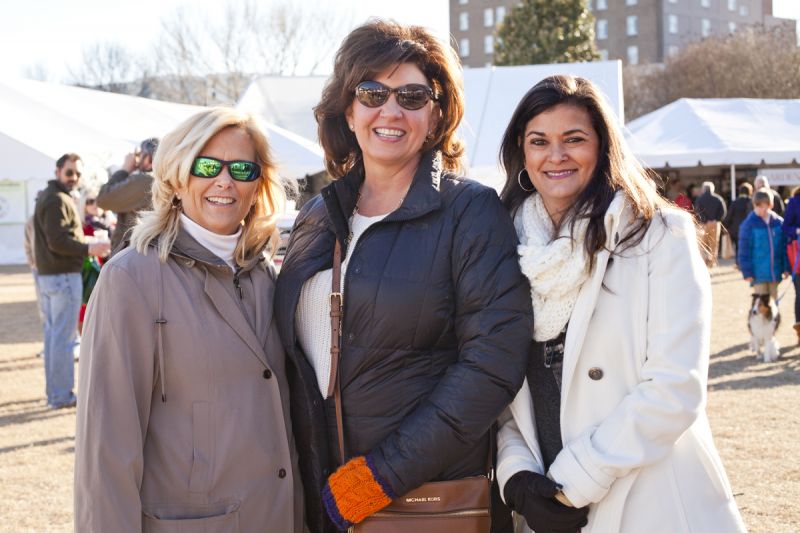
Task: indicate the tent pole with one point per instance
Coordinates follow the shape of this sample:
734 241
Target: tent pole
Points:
733 182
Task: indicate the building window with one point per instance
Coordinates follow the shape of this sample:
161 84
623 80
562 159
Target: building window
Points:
632 25
602 4
744 11
731 27
672 51
602 29
731 5
631 2
464 47
705 3
463 21
488 44
705 27
633 55
488 17
463 2
603 54
672 20
500 15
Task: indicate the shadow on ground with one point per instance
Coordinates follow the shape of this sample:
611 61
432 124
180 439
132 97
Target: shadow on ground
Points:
753 373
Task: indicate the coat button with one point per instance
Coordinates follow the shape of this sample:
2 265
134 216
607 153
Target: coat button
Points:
595 373
350 337
282 473
267 373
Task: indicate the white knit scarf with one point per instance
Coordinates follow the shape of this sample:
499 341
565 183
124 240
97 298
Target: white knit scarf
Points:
556 268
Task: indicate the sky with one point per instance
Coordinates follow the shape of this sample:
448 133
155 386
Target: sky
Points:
53 33
48 35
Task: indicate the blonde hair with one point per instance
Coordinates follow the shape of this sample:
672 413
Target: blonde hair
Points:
171 170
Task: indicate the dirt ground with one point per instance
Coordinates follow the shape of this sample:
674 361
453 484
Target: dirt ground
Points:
753 409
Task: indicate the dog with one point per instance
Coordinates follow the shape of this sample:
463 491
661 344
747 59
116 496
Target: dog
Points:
763 322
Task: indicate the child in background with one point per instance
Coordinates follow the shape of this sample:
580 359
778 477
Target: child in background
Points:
762 246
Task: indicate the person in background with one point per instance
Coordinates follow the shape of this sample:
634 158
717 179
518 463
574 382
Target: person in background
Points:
737 212
710 210
128 191
183 422
609 434
436 317
762 182
762 246
677 194
59 248
94 217
791 229
29 245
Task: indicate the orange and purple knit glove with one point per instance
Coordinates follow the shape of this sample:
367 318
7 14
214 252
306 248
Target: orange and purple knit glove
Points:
354 492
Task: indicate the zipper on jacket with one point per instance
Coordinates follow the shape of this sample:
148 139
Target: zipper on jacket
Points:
236 284
771 250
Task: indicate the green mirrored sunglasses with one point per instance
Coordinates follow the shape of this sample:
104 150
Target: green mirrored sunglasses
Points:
210 167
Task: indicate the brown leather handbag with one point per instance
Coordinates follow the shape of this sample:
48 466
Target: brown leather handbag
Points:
461 505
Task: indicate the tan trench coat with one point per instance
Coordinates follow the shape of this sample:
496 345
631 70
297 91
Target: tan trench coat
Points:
217 455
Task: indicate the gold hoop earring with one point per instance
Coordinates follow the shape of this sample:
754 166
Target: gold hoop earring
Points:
519 181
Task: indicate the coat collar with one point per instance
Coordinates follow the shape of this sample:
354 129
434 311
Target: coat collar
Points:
217 276
423 196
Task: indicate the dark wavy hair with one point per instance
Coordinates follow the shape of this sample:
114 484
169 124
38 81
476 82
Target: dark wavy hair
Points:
617 169
367 51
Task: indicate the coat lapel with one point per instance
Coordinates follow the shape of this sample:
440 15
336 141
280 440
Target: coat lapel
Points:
223 300
587 297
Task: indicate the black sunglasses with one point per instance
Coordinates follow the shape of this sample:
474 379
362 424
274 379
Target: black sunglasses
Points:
209 167
69 172
412 96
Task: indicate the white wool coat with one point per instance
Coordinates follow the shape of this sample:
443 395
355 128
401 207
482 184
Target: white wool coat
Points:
637 443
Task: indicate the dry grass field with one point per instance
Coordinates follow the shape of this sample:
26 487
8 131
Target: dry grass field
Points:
754 409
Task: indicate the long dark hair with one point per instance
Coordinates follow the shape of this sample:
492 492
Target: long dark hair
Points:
364 53
617 169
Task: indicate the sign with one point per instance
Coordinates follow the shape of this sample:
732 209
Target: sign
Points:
12 202
781 176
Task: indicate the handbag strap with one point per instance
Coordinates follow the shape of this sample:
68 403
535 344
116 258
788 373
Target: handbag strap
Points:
334 388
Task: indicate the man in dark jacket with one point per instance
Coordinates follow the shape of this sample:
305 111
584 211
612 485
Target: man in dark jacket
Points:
737 212
777 201
128 191
59 249
710 210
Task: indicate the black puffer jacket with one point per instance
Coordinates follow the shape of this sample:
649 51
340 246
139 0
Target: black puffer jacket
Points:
437 324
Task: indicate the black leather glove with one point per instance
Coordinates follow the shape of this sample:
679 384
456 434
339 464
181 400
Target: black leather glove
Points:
532 495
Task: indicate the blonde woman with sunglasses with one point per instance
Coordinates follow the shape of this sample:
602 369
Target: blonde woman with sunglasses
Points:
183 414
436 317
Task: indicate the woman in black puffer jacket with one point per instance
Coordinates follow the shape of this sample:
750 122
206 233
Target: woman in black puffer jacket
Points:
437 317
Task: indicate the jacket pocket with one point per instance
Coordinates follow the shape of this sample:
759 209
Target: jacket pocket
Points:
226 522
201 447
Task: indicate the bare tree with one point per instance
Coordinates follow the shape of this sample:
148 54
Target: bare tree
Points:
107 66
754 62
37 71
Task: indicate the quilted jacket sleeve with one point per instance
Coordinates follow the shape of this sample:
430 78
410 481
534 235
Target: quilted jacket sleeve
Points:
493 325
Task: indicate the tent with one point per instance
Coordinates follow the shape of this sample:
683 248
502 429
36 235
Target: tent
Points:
491 95
714 132
41 121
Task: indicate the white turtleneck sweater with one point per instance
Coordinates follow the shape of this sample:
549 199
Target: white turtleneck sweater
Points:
223 246
313 319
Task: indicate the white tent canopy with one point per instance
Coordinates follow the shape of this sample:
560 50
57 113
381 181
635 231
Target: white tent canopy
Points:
735 131
491 94
41 121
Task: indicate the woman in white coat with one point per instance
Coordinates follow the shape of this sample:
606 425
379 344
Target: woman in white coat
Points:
609 433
